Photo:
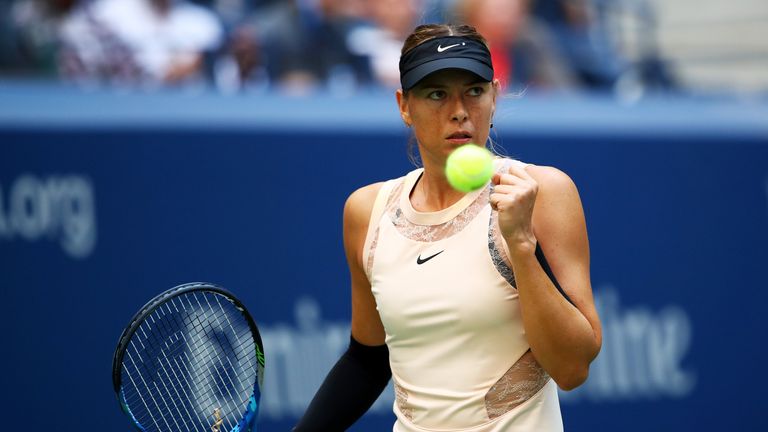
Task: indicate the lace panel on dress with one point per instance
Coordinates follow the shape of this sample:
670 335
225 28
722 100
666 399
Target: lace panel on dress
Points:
393 194
433 233
371 250
498 255
523 380
401 398
495 240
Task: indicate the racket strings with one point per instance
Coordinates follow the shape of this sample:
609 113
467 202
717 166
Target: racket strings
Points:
226 383
246 354
167 408
192 355
148 344
243 385
240 341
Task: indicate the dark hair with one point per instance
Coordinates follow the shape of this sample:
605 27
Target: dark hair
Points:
427 32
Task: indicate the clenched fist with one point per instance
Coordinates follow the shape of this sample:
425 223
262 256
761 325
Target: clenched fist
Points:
514 195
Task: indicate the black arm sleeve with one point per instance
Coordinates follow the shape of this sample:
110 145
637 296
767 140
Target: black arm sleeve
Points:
350 388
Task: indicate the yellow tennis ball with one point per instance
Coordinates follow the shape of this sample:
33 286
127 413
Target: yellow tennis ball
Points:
469 167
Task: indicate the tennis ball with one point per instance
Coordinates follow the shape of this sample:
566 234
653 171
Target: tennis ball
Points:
469 167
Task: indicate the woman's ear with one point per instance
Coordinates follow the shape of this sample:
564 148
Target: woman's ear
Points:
403 107
496 89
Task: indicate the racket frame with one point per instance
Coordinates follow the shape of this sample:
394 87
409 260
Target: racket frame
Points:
251 409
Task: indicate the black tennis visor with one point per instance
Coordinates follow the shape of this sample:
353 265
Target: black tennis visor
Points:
449 52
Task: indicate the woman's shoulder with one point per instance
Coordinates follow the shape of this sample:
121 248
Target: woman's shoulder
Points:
360 205
557 199
363 198
550 177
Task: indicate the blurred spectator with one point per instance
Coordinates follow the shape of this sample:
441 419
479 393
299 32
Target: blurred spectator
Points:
523 51
305 45
341 66
393 21
139 42
240 65
29 35
281 32
582 38
436 11
340 45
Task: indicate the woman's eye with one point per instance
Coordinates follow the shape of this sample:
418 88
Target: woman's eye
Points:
436 95
476 91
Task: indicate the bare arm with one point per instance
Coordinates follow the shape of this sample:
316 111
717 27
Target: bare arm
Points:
366 324
542 204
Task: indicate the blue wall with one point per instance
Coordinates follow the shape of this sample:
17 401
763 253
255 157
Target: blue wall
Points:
106 200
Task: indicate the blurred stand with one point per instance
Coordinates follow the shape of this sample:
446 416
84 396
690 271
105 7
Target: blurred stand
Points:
524 52
304 45
143 43
381 42
29 36
645 72
581 38
628 49
239 65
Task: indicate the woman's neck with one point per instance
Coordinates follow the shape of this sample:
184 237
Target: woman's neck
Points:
432 192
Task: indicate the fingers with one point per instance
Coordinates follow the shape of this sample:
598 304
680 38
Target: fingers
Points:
514 175
511 179
512 188
507 189
505 196
520 171
494 199
498 201
507 201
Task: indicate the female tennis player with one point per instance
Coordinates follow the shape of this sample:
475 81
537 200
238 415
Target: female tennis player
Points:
452 296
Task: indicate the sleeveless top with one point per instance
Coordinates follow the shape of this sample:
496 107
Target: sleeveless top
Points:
446 295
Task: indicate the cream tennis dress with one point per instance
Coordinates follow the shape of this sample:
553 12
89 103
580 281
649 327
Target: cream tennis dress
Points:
446 295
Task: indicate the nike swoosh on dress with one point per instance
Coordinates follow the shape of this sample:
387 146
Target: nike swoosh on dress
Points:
420 261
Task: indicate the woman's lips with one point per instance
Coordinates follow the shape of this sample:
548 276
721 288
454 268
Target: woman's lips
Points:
460 138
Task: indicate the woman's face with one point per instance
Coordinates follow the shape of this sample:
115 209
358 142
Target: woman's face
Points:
448 109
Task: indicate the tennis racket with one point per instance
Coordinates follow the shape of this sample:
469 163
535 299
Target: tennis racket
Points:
190 360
